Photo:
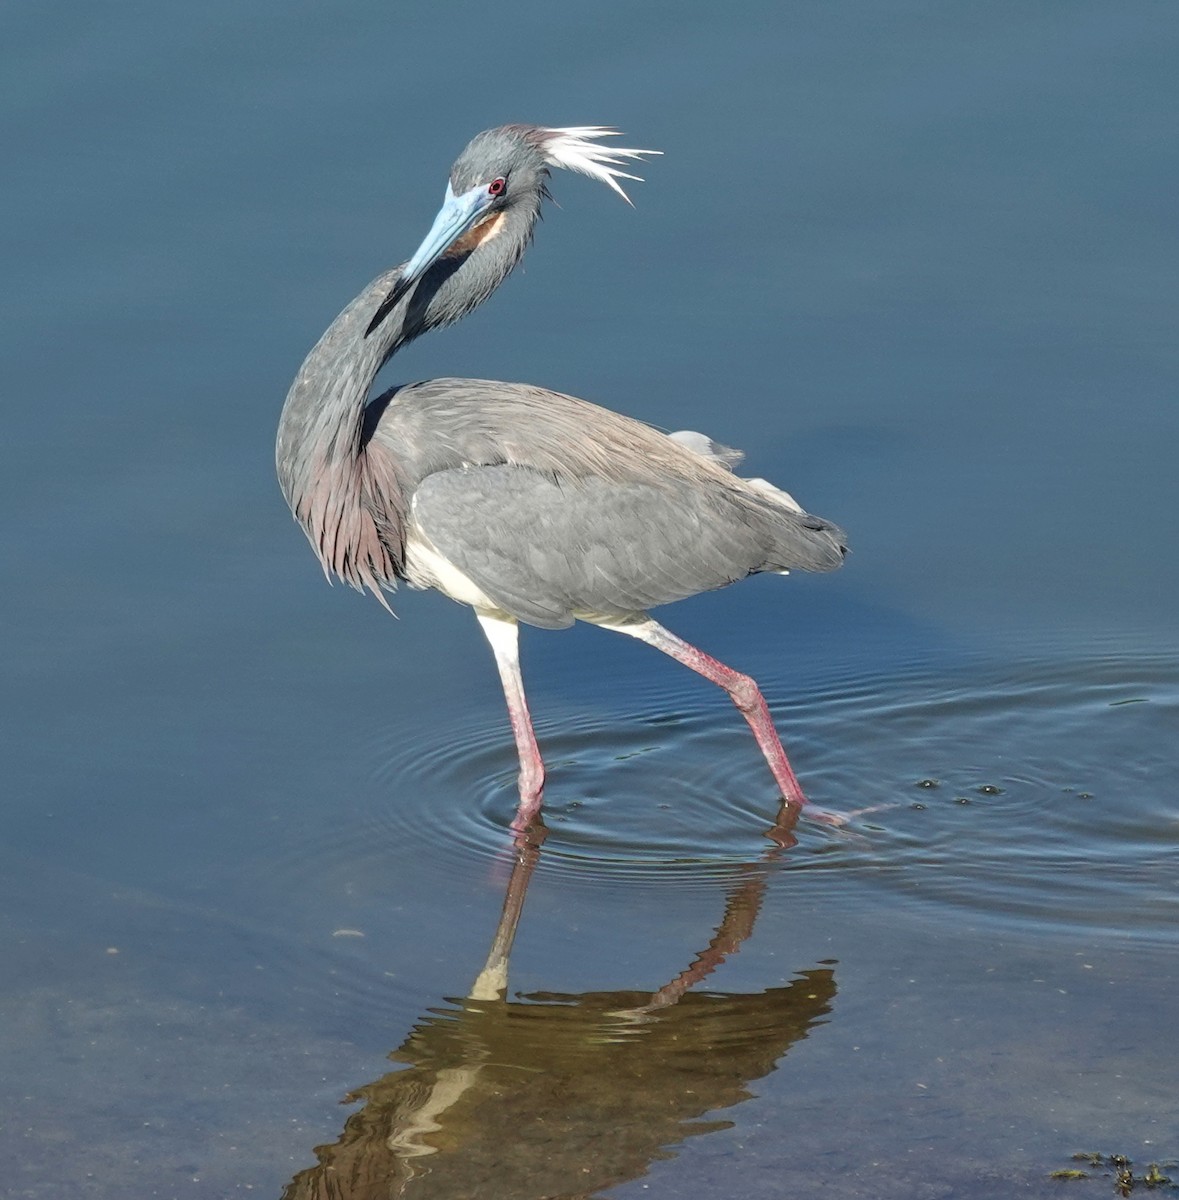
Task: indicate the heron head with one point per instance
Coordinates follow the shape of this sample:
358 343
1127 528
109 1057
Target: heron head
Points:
521 155
494 195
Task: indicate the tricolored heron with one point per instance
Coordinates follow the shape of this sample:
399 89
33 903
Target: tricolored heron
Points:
523 503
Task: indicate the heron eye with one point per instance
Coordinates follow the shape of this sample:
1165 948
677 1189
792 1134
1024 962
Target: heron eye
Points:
496 187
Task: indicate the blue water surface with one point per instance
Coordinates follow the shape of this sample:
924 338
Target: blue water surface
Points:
918 261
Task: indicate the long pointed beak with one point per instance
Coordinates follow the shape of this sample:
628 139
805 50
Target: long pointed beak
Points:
457 216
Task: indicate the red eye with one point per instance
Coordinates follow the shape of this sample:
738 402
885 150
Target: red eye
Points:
496 187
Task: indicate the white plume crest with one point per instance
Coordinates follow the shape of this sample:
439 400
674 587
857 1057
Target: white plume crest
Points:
575 149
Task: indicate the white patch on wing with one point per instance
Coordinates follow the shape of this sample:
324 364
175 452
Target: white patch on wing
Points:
575 149
703 445
727 457
779 497
776 494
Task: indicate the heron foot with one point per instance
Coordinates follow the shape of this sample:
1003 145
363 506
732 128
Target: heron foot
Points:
840 820
827 816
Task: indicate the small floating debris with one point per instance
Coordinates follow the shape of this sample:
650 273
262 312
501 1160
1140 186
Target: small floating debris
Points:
1155 1178
928 783
989 789
1121 1168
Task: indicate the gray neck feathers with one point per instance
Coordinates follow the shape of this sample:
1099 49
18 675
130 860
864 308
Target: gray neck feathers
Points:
349 496
348 502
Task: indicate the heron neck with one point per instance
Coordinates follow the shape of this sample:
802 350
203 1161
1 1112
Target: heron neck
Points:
350 497
321 418
323 415
351 504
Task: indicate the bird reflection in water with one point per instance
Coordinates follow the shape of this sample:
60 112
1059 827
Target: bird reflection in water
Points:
558 1095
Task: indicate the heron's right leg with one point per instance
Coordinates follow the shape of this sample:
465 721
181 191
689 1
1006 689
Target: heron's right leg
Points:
742 690
503 634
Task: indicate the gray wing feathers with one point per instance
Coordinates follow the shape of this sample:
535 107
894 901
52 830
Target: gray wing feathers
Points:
555 507
548 549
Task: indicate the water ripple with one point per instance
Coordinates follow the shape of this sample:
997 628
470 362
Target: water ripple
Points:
1040 796
1039 793
675 794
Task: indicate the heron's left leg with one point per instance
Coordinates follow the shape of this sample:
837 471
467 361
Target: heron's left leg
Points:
503 634
742 690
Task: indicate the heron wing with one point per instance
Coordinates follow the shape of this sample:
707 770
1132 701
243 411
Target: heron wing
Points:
548 549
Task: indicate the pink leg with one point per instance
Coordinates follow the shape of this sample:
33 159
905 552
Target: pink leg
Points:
743 692
503 634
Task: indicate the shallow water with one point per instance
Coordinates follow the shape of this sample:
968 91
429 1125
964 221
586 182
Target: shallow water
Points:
998 791
918 262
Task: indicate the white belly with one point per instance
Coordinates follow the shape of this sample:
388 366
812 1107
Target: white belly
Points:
426 567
